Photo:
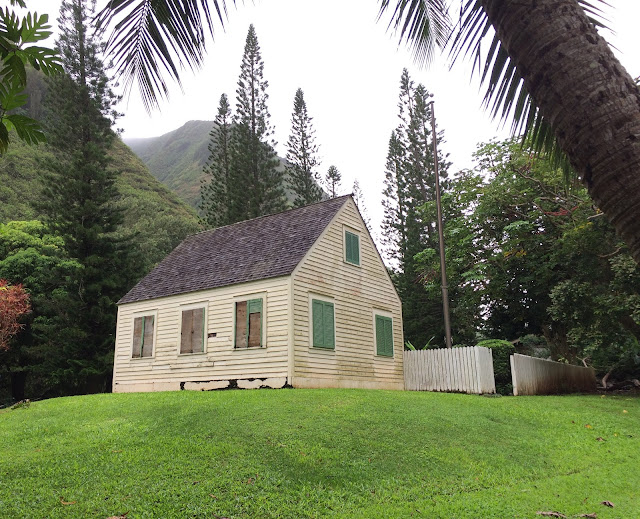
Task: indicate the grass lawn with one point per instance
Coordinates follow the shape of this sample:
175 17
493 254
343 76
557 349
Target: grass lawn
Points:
320 453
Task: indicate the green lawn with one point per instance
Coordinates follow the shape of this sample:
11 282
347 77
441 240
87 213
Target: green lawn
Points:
320 453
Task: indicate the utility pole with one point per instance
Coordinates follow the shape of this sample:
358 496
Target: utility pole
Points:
443 270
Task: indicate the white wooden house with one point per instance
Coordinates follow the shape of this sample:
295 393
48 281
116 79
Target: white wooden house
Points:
300 298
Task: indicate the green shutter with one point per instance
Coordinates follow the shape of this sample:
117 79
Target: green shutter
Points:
327 324
352 246
384 336
322 323
388 337
318 329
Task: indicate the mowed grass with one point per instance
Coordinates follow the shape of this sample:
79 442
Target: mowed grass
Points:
320 453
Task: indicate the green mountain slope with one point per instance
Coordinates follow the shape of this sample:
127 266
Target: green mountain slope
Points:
158 218
176 158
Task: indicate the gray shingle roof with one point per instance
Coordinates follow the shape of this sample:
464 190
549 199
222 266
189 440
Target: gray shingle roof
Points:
261 248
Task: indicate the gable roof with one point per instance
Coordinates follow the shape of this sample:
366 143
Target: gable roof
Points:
265 247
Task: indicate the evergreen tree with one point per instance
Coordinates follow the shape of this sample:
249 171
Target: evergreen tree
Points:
332 181
358 198
254 163
302 155
407 228
80 195
218 201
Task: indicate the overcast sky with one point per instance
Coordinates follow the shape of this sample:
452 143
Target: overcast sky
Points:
349 67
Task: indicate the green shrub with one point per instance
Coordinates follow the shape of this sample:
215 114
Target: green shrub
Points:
501 350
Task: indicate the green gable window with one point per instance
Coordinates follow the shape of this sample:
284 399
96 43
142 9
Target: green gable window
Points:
352 248
323 324
143 336
249 324
192 332
384 336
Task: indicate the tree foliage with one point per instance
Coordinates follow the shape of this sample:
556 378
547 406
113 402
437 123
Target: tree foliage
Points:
332 180
407 229
19 38
254 160
302 155
80 199
245 180
530 256
14 303
219 194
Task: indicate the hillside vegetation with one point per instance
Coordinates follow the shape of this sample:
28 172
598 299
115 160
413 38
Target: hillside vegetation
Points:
320 453
158 218
177 159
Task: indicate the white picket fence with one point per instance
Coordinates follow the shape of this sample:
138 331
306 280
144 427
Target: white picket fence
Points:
459 370
532 376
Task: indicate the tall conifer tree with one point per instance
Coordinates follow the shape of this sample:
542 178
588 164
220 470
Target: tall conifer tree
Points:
80 200
254 161
302 155
332 181
358 198
409 185
219 192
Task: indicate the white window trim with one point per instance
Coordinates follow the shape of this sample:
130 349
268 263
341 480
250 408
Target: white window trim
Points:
383 313
155 334
193 306
248 297
325 299
358 233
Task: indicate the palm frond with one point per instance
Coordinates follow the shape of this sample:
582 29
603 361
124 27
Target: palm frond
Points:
421 24
151 38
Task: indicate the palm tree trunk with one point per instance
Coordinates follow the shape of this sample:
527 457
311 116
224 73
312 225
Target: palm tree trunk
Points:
590 100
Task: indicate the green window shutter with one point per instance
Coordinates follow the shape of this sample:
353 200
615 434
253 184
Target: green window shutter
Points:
384 336
322 323
352 246
388 337
327 325
318 328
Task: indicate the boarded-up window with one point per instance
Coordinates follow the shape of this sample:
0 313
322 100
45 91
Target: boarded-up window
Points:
384 336
192 334
143 336
249 323
323 324
352 247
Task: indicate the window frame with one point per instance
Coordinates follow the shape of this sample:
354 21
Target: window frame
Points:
204 305
263 320
328 301
136 315
383 314
350 230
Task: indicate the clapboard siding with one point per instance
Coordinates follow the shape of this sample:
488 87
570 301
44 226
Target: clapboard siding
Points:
357 292
220 361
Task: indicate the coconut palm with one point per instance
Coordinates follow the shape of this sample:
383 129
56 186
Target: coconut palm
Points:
546 66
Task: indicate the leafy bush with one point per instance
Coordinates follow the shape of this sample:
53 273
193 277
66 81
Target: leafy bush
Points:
501 350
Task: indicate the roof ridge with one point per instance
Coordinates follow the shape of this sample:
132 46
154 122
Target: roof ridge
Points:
291 209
